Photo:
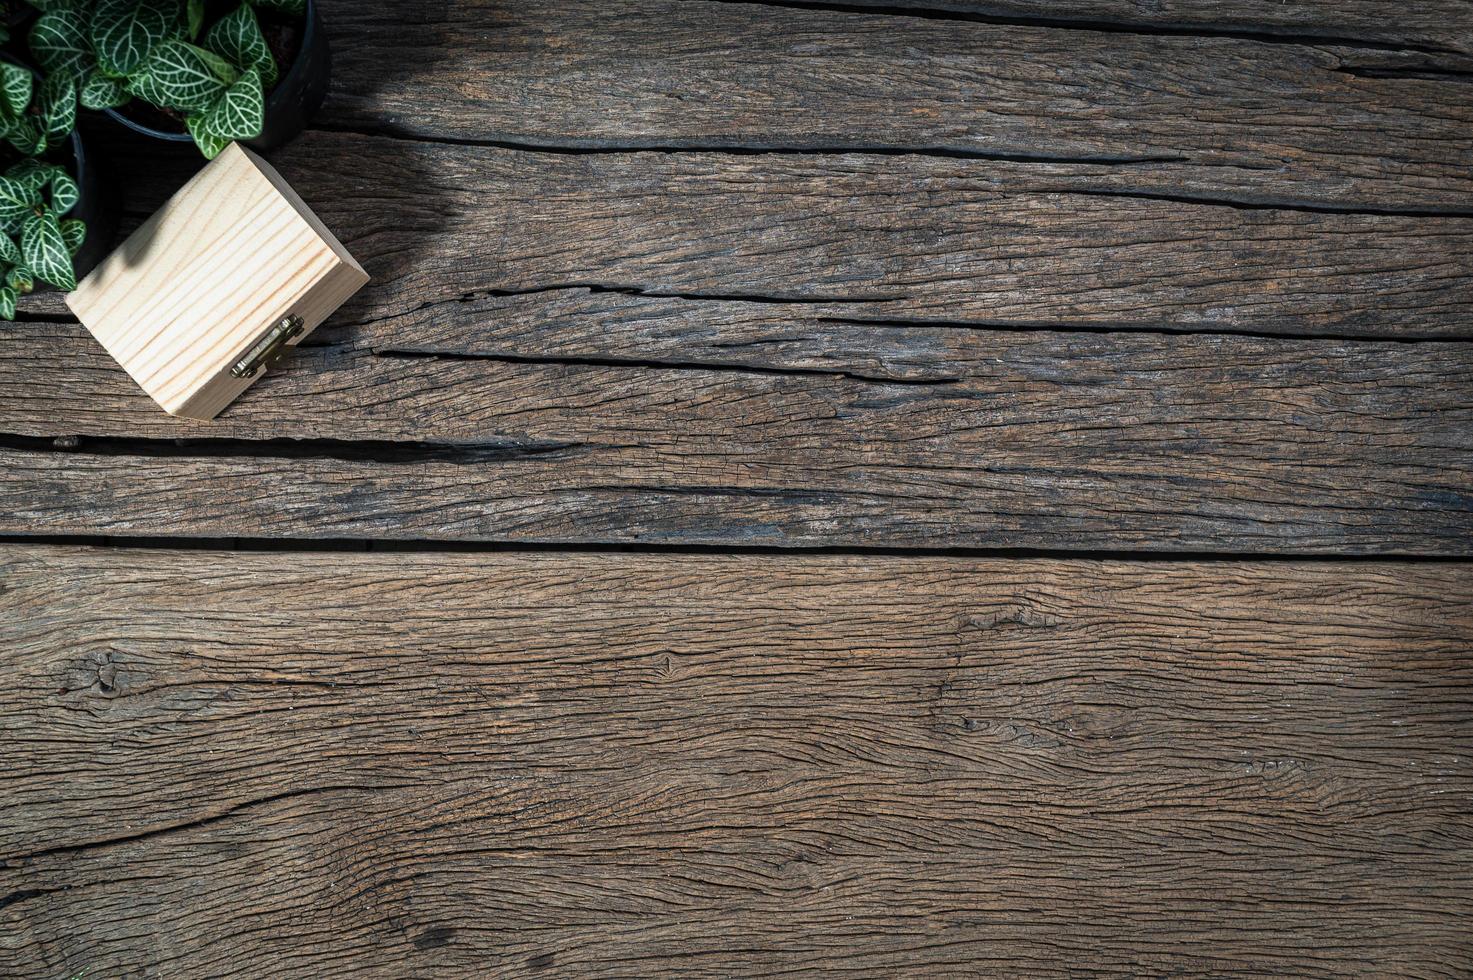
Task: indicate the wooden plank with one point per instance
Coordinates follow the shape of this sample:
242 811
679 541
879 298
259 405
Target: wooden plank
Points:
857 236
1031 439
1440 26
879 237
857 397
452 765
1226 117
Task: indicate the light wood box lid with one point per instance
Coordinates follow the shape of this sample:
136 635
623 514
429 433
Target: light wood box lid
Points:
198 286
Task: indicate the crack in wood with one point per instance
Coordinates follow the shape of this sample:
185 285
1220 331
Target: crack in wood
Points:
594 147
1242 203
1262 34
595 287
1121 326
661 365
1270 204
7 861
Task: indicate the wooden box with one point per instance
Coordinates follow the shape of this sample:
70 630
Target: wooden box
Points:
211 289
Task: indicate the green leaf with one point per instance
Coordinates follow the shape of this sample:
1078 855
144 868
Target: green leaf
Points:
34 174
179 76
64 191
7 303
57 105
195 17
74 233
101 92
16 201
209 144
21 279
26 136
15 89
240 113
237 38
9 251
59 42
43 247
125 31
223 69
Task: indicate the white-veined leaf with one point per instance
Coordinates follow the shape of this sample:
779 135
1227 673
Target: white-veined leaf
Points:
74 233
101 92
7 303
179 76
240 113
21 280
9 251
15 89
44 249
237 38
33 173
57 105
26 136
209 144
16 201
64 191
123 32
59 42
194 17
223 69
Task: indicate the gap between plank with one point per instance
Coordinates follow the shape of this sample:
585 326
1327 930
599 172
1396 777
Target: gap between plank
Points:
421 545
380 451
1263 34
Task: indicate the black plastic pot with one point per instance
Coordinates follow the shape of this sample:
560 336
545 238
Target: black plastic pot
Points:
290 106
98 206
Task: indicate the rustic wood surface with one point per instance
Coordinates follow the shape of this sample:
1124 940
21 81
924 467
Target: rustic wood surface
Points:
431 765
1124 343
1437 26
710 349
1323 122
853 435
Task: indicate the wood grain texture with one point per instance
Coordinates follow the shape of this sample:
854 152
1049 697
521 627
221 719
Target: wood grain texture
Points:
1440 26
1320 123
878 237
861 391
858 435
375 765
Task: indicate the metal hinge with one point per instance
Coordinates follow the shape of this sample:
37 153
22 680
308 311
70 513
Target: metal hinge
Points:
268 350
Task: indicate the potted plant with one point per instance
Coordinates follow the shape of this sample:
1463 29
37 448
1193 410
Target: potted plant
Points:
182 70
207 71
54 216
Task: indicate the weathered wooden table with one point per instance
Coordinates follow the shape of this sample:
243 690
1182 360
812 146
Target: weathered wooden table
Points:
982 487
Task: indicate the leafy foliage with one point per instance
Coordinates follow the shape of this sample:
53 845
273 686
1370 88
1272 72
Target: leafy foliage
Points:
125 31
100 54
153 50
36 241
